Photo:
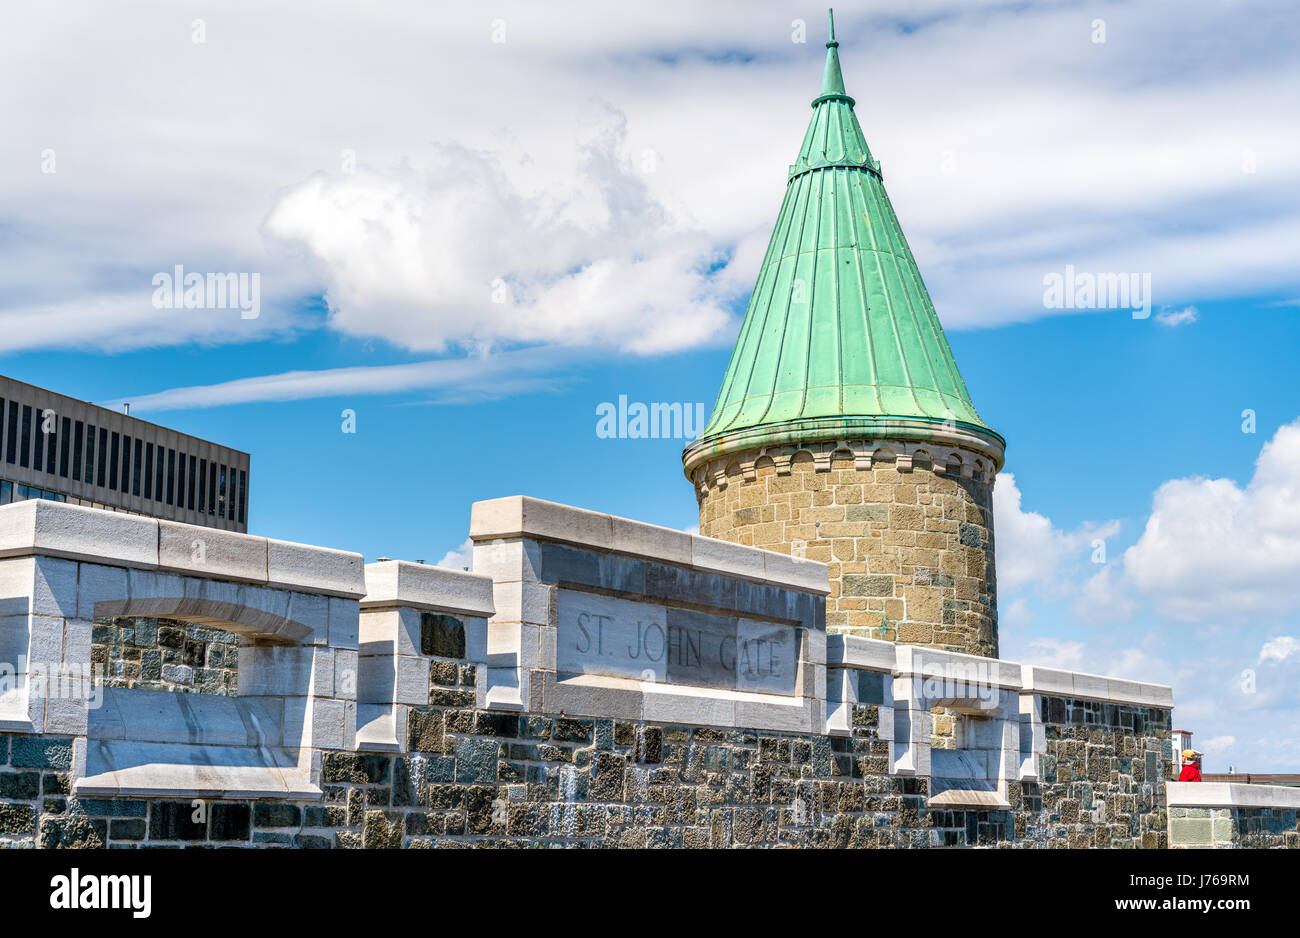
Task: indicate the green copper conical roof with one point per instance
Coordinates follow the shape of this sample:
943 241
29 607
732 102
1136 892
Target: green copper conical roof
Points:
840 338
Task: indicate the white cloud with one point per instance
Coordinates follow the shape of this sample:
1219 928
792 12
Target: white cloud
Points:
457 254
1053 653
461 379
459 558
1217 745
1212 548
1279 649
1174 319
1031 553
258 116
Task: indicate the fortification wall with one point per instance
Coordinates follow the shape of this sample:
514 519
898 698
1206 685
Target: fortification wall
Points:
534 703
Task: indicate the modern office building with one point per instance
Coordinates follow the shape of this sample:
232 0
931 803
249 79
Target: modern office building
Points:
60 448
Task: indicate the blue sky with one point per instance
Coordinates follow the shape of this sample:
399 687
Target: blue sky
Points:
473 274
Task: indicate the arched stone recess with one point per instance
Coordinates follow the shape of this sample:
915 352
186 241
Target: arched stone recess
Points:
295 607
982 697
993 744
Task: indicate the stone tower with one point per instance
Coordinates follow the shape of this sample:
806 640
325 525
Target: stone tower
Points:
843 431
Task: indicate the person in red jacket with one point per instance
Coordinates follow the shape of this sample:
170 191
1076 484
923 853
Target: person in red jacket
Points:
1191 766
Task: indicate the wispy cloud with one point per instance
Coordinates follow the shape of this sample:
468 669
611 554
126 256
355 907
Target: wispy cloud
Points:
463 379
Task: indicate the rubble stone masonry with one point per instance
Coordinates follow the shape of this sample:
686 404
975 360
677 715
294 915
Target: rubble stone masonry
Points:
476 777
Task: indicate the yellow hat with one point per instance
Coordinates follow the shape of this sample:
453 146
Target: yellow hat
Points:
1189 753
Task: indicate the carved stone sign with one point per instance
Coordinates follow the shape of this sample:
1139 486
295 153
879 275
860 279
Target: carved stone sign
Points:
603 635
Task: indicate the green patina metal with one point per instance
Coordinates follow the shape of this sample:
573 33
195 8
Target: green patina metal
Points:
840 338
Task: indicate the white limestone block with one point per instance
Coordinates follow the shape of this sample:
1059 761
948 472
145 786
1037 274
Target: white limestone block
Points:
476 632
411 680
792 715
389 631
523 602
594 695
504 561
867 654
211 552
156 716
378 728
1231 795
45 641
54 587
345 620
312 612
505 688
112 768
316 722
422 586
59 529
315 569
1091 686
346 674
1139 694
812 646
796 572
667 703
709 553
17 578
66 712
285 670
14 640
521 516
650 540
376 680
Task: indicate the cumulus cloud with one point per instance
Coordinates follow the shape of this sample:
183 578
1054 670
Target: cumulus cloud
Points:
1053 653
1202 602
457 254
1212 548
1218 745
1031 552
1279 649
459 558
257 117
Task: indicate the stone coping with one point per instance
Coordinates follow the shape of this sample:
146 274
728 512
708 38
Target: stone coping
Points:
124 769
603 697
961 798
518 516
866 654
394 583
1054 682
1231 795
871 654
37 527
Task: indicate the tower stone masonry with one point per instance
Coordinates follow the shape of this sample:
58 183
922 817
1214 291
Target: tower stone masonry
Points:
843 431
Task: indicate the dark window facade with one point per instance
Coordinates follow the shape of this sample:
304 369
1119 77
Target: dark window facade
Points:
25 444
12 442
66 437
70 458
78 432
